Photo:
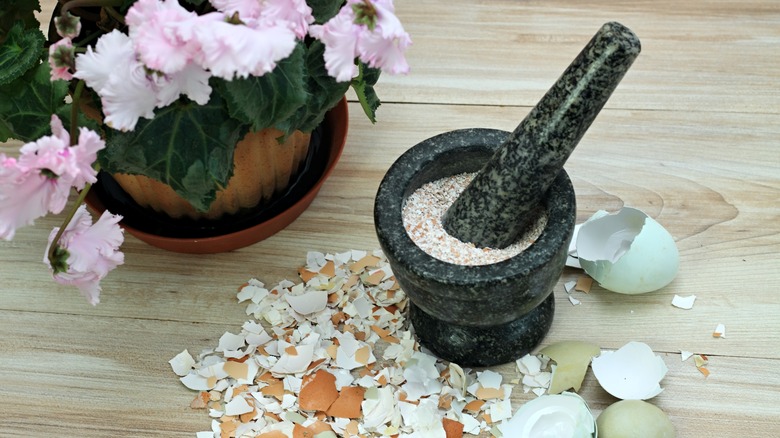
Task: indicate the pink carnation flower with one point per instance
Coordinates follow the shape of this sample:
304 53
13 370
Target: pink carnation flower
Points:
26 195
347 36
61 59
40 180
113 51
131 91
82 155
340 36
295 14
230 50
113 71
67 26
192 81
161 34
384 46
87 252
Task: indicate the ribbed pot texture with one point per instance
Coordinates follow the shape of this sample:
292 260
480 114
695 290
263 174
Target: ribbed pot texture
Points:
263 167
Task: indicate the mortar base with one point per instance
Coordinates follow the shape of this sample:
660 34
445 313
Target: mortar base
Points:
486 345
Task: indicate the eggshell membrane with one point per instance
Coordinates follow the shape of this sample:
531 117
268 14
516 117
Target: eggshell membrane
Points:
549 414
627 252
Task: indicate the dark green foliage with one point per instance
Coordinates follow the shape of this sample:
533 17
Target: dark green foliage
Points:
324 10
17 11
187 146
271 99
364 88
21 51
26 105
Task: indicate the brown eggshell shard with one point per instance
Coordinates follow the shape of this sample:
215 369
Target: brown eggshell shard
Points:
318 392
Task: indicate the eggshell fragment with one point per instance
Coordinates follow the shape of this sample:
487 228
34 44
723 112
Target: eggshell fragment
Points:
572 359
318 392
560 415
634 418
633 372
627 252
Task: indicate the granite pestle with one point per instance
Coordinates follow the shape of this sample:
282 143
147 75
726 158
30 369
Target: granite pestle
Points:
502 200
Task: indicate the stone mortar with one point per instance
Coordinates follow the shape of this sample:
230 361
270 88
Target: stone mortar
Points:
473 315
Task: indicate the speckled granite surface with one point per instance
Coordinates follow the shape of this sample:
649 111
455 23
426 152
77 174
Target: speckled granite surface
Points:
489 303
499 204
492 314
484 346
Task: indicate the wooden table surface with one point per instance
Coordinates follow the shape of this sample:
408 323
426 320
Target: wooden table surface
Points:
690 136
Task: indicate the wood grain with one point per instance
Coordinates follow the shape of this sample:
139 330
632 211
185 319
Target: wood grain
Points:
690 137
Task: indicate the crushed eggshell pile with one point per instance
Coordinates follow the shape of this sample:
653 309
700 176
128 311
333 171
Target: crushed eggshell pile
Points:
332 356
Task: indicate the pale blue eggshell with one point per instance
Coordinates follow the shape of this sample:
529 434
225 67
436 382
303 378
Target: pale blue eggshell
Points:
648 264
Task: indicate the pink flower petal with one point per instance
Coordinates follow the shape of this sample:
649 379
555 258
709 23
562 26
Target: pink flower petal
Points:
95 67
192 81
92 251
295 14
128 95
84 157
230 50
40 180
340 36
155 32
61 59
247 9
384 47
25 195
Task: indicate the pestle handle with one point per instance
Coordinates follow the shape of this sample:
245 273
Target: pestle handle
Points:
503 198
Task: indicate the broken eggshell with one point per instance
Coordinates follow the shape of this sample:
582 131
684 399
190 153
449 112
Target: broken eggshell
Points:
627 252
635 418
571 363
634 372
564 415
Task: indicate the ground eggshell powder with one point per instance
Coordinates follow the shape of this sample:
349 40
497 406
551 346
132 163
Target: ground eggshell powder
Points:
422 213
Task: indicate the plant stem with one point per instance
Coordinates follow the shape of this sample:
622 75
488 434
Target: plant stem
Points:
74 132
74 113
115 14
80 200
87 3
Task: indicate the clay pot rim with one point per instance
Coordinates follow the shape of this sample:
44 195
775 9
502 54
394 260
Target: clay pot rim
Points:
338 121
428 155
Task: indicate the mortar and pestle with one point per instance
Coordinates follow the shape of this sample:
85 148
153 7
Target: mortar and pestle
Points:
492 314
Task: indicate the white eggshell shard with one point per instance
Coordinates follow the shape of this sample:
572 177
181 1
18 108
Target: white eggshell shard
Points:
627 252
634 372
564 415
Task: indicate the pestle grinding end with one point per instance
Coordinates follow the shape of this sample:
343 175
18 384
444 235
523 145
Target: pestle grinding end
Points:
504 197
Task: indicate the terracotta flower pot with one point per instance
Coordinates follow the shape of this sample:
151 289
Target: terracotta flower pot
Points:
254 210
262 168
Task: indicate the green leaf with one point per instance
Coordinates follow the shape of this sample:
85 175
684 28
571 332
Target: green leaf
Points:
21 51
13 11
324 92
187 146
26 105
324 10
364 88
270 99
